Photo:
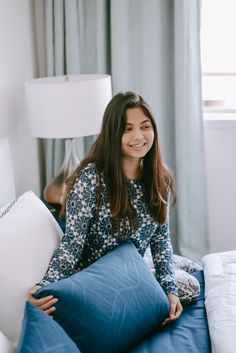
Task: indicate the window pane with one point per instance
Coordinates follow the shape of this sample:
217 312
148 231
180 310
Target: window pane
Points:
219 91
218 30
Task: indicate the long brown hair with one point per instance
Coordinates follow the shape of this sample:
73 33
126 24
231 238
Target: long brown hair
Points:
107 155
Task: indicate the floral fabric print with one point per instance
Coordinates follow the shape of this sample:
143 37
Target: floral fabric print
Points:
89 236
188 286
186 264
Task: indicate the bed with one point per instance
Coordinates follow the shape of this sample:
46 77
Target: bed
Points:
188 334
220 299
207 324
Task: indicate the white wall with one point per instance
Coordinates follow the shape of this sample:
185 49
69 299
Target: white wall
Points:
7 187
220 143
17 64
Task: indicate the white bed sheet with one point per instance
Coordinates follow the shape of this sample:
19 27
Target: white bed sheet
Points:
220 294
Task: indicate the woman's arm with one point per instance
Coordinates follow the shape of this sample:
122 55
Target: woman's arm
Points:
162 255
79 211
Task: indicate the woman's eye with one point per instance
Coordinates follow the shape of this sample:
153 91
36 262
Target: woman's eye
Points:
147 126
128 129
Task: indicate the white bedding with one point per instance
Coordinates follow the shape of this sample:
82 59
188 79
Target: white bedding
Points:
220 293
5 345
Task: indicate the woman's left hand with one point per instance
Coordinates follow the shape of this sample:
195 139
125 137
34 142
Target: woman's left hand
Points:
175 308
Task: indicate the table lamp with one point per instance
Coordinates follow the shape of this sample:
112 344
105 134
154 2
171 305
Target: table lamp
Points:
66 107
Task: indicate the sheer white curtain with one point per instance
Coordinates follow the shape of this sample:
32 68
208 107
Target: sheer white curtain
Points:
151 47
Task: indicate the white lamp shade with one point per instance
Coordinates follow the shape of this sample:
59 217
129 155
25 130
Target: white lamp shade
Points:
67 106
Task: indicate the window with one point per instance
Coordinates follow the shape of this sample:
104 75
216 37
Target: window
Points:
218 49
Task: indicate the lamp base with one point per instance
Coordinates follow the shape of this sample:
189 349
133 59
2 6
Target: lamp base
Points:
54 192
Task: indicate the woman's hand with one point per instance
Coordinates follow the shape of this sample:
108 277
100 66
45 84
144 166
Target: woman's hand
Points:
46 304
175 308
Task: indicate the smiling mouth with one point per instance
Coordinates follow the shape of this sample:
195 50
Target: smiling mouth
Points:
138 146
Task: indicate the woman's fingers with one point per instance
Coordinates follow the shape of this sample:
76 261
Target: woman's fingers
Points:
46 303
175 309
33 290
41 301
166 321
179 310
50 311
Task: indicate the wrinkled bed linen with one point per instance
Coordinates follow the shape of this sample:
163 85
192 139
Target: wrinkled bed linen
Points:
220 294
188 334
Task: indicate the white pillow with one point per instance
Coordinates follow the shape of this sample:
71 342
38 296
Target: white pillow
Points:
220 295
6 208
5 345
28 236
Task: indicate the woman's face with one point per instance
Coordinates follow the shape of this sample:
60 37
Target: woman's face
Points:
138 136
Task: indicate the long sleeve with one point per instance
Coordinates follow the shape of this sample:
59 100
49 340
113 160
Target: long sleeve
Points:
79 211
162 255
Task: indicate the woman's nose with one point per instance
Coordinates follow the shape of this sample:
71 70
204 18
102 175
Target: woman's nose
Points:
137 134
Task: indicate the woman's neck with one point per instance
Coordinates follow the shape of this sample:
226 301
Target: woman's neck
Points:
132 169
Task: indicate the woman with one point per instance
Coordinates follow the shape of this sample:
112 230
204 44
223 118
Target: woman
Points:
118 192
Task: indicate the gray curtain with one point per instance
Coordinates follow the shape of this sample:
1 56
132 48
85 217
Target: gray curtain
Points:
151 47
77 33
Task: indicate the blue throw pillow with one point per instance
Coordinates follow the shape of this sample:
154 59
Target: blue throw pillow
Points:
110 305
41 334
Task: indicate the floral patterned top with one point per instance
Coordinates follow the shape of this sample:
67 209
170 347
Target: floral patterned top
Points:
89 234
